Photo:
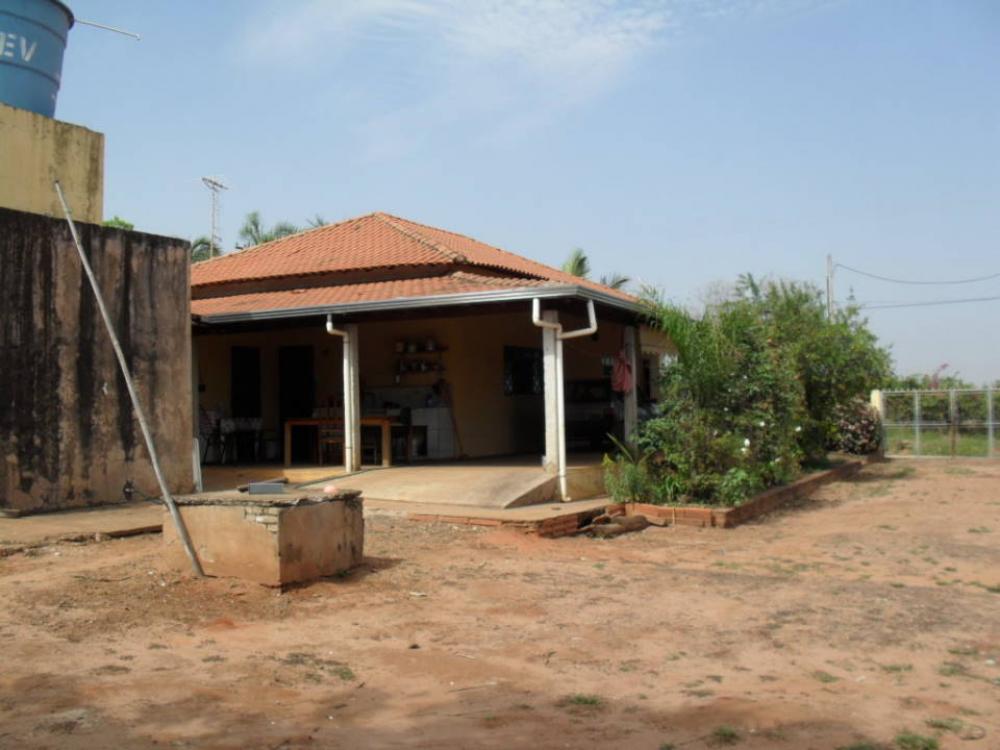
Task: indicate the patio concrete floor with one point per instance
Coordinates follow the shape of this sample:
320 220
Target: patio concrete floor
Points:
507 482
68 525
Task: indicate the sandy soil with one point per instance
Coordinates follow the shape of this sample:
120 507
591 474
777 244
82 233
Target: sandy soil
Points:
872 609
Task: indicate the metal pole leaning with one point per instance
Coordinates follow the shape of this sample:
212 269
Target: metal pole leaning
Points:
167 497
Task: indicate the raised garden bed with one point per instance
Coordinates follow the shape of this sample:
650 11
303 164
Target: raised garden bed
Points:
726 518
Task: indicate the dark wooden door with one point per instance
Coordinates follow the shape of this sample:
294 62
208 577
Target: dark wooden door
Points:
297 397
244 381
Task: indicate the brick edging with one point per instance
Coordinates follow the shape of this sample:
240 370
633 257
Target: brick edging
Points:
726 518
563 524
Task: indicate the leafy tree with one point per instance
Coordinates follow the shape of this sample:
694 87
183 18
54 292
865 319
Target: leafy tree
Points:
317 221
253 232
837 359
117 222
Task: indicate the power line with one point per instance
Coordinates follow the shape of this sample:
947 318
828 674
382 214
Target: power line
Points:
929 303
918 283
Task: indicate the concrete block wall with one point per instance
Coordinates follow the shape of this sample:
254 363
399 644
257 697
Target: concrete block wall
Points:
68 436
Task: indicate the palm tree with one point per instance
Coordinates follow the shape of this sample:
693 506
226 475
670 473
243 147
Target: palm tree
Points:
253 231
615 280
317 221
577 263
201 249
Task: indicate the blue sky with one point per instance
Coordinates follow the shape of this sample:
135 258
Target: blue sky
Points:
681 142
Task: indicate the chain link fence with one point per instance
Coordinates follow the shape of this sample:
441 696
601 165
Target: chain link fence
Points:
938 423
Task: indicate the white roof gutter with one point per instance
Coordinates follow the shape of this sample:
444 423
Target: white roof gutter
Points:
417 303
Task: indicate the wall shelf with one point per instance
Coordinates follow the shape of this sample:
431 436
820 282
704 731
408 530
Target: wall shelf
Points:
422 352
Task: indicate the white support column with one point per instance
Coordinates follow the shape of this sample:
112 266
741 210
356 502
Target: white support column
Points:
877 400
631 396
345 341
352 400
550 379
352 393
561 417
555 405
991 421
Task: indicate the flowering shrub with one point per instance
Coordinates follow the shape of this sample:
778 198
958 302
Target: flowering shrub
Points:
754 390
858 428
731 404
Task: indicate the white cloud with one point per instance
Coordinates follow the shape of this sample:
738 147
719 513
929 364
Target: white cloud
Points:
508 65
559 37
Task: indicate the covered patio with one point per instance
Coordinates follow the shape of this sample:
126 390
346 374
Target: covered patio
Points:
479 377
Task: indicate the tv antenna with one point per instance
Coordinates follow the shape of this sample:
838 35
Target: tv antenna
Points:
115 29
216 186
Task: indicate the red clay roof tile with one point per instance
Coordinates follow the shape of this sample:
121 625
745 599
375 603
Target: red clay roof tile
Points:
370 242
292 299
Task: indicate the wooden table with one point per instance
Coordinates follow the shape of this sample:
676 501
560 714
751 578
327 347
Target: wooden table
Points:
384 423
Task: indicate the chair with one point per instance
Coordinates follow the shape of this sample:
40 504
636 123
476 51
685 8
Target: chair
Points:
210 435
371 444
331 443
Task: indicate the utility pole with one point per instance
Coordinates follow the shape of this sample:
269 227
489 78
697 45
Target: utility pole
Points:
216 186
829 287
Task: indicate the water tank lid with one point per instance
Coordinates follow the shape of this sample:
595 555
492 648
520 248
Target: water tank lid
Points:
67 11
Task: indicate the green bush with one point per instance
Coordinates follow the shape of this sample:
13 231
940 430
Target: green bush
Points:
629 478
736 486
758 386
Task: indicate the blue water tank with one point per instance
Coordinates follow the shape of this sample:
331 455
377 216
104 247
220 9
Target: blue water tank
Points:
32 41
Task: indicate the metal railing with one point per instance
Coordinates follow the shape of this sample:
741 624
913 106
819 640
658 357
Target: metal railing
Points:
957 422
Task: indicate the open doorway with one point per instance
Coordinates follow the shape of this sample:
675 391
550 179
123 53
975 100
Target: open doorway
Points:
297 397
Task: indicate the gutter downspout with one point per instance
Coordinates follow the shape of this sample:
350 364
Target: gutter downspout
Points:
349 415
536 319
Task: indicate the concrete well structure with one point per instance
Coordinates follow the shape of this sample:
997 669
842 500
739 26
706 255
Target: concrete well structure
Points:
270 539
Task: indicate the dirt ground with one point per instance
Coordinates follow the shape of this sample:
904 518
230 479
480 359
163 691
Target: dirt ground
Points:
870 610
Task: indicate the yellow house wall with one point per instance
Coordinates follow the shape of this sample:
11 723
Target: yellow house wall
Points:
214 352
489 422
35 151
